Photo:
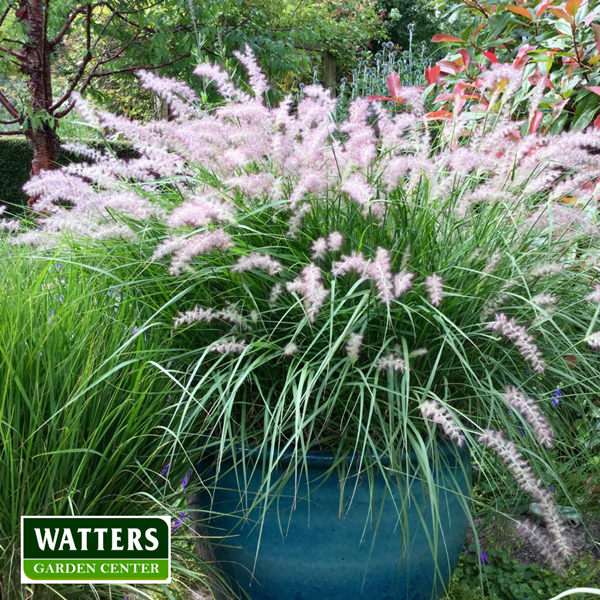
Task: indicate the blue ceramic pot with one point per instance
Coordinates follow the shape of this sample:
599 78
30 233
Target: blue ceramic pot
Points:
383 546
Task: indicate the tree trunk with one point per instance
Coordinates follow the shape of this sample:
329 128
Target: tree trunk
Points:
36 67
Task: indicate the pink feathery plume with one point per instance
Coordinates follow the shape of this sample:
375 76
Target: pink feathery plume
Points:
357 187
544 299
231 346
290 349
402 283
564 217
354 262
194 316
10 225
595 295
542 543
198 212
528 482
319 249
391 362
380 272
202 243
531 412
168 246
258 261
257 79
353 346
171 90
221 80
522 340
594 340
335 241
431 409
296 219
309 286
546 269
435 286
275 292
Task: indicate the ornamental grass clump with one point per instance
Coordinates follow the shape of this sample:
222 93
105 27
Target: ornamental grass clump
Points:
352 286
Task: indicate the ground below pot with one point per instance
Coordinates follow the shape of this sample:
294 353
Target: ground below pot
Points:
384 547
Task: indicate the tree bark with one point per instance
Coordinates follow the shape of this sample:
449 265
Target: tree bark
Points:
36 66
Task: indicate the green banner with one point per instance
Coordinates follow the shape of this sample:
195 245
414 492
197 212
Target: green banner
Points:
99 570
95 549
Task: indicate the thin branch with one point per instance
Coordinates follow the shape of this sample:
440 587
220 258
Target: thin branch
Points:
11 132
12 122
139 10
142 67
86 59
4 15
66 111
11 51
8 106
78 11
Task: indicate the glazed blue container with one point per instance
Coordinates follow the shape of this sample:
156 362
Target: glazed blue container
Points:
379 543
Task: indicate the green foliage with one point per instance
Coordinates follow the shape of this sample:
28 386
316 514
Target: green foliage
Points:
400 13
15 166
563 44
288 36
83 410
505 578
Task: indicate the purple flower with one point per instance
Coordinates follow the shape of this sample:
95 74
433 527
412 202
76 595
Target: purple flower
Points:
177 523
483 558
475 468
134 331
556 395
60 298
59 266
165 470
185 481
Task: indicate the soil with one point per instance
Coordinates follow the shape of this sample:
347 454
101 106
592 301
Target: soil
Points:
584 538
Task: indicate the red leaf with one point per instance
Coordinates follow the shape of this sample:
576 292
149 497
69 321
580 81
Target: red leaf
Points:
490 55
393 84
593 88
597 122
431 74
596 29
465 56
573 6
561 14
444 37
539 77
379 98
522 59
571 360
519 10
535 122
444 98
449 66
479 29
439 114
543 7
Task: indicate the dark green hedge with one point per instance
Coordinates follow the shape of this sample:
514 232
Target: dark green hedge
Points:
15 167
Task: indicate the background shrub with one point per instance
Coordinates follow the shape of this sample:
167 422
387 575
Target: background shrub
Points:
558 48
15 166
